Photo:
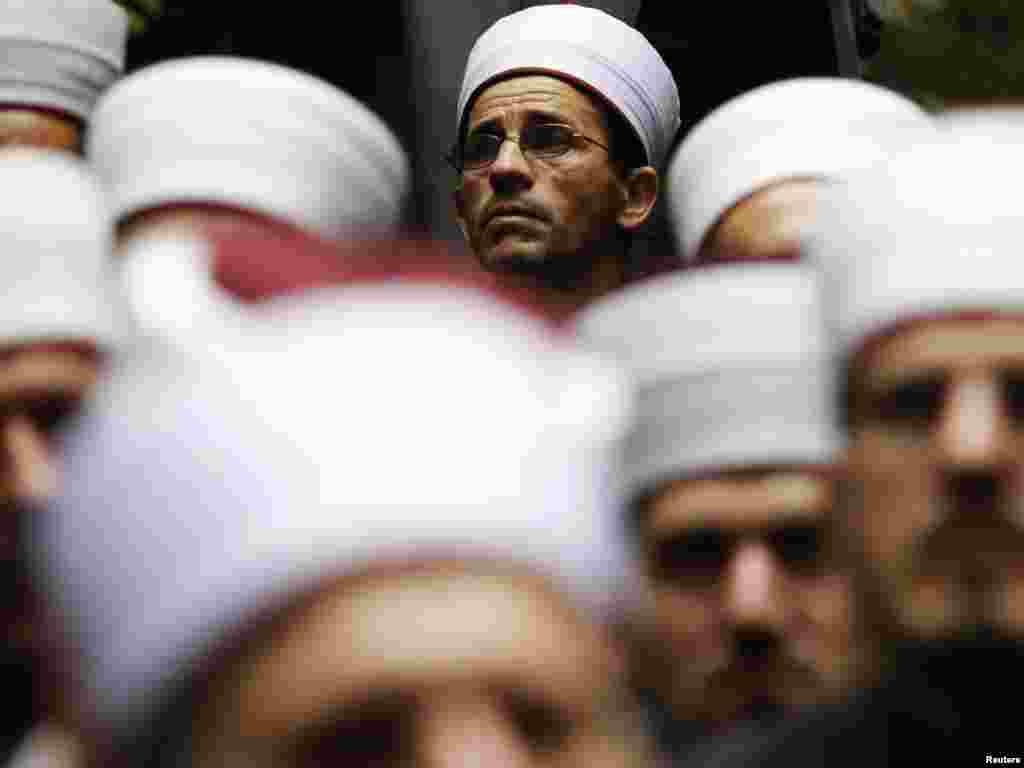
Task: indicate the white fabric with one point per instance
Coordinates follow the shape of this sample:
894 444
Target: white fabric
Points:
367 424
55 237
935 230
802 128
60 54
587 46
165 276
729 364
251 135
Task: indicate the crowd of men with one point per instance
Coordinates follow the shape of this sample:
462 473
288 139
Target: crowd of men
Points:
286 486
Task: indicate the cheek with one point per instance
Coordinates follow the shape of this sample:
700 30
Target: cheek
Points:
893 492
473 195
687 620
583 202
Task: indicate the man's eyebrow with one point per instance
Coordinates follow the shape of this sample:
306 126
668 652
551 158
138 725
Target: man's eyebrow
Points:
535 116
887 380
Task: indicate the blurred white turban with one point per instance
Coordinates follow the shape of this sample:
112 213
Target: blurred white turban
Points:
803 128
250 135
56 237
730 370
587 47
60 54
379 422
935 230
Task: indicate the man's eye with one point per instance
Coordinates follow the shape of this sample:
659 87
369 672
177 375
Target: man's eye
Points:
49 413
692 559
800 548
548 140
480 149
377 732
545 727
1013 396
916 403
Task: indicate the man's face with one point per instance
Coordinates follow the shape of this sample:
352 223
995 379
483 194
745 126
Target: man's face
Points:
751 612
40 386
767 225
439 667
38 128
935 456
539 215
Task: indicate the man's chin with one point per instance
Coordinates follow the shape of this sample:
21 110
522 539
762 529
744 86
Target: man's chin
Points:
515 255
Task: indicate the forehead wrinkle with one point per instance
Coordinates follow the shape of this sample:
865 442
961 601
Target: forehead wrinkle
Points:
562 101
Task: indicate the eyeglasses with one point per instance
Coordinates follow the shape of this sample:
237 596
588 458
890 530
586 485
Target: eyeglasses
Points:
545 140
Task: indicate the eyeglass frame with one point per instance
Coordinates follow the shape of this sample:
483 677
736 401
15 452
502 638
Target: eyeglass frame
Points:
453 156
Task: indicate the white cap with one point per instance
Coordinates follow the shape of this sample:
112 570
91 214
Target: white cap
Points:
250 135
933 231
60 54
56 239
587 47
730 368
814 127
375 423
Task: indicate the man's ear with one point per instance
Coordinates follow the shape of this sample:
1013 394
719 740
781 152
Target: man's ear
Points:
457 210
641 192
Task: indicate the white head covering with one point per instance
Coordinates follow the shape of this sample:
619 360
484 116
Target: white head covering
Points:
730 369
202 493
55 237
803 128
252 135
935 230
589 47
60 54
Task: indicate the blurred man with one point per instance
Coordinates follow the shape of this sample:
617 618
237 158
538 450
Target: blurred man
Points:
57 58
369 574
235 144
924 292
565 116
730 471
745 181
58 319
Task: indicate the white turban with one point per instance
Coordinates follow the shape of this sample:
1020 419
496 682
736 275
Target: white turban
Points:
251 135
936 230
730 369
802 128
56 239
588 47
203 493
60 54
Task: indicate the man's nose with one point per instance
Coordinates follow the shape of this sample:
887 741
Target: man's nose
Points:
31 472
469 731
754 596
510 172
974 433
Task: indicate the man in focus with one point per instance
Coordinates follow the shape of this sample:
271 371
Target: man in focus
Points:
565 117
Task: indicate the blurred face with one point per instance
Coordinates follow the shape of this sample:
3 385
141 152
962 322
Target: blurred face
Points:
767 225
438 667
556 217
40 386
751 613
36 128
936 451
